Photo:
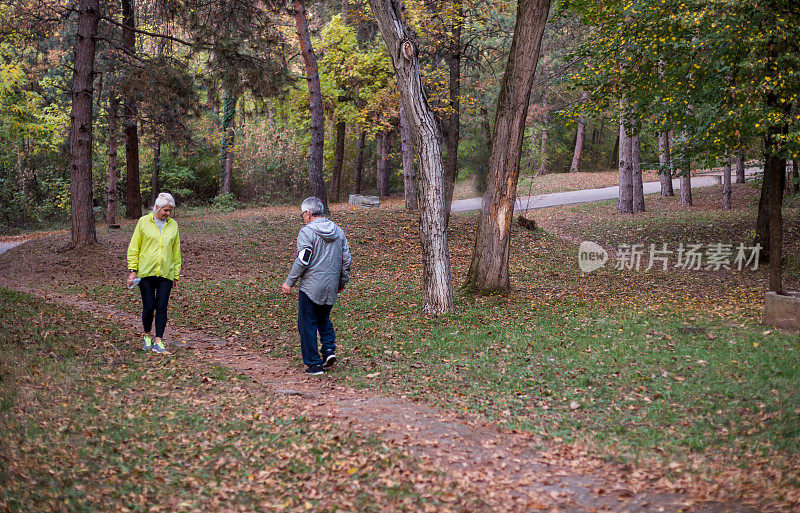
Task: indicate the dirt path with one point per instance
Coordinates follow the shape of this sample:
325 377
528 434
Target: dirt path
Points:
514 471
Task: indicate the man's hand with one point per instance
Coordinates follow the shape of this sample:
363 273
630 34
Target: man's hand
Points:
285 289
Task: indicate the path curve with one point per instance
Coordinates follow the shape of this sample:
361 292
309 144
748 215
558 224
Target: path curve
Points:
557 199
517 471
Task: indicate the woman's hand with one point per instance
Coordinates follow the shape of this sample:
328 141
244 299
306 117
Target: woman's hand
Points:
131 277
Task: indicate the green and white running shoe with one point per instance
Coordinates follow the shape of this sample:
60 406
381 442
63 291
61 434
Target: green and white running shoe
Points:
147 342
158 347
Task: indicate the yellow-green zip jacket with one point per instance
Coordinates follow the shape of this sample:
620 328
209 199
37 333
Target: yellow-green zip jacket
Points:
155 253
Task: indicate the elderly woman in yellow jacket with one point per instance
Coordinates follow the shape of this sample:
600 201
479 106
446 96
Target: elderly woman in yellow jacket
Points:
154 256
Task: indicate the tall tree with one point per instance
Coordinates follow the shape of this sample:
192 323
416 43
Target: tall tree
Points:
488 270
665 164
636 165
228 131
338 161
317 132
111 199
451 125
80 135
726 184
382 163
133 196
358 171
580 135
409 171
402 46
625 203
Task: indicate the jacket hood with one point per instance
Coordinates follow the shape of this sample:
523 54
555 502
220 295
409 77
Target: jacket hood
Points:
324 228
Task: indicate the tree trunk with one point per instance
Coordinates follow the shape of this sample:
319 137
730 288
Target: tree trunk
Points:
155 178
452 127
762 221
133 196
317 131
382 164
665 164
543 149
80 147
409 171
488 270
625 204
795 178
685 173
338 162
402 46
636 175
359 170
111 201
228 131
774 174
726 184
580 135
740 167
615 152
686 185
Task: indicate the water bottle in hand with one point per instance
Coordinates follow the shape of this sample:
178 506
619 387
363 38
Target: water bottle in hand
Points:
135 283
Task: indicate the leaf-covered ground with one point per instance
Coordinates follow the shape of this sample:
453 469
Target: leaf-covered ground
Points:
664 371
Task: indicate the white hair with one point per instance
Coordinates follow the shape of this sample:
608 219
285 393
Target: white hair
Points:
163 199
313 206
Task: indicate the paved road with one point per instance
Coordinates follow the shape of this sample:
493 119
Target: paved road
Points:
5 246
556 199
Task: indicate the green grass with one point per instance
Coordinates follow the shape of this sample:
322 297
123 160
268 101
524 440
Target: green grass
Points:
84 428
614 342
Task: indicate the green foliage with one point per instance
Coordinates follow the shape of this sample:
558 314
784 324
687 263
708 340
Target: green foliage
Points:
716 71
31 164
225 202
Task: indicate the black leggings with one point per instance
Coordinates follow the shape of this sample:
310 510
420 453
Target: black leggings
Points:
155 296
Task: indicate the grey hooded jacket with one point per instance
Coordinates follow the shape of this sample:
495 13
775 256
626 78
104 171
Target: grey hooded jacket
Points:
323 261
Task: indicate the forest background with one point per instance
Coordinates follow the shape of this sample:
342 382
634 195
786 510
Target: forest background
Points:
209 101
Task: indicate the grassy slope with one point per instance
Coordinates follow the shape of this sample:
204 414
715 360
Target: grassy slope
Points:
670 365
87 428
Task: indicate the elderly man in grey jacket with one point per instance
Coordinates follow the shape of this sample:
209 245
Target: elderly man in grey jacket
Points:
322 267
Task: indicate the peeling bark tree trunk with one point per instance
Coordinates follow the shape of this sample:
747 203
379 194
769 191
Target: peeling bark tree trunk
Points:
488 270
580 136
80 134
726 184
409 171
133 196
665 164
111 201
317 132
401 44
359 170
382 164
228 130
338 162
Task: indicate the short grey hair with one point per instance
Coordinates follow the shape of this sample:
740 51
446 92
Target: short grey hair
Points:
313 206
163 199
